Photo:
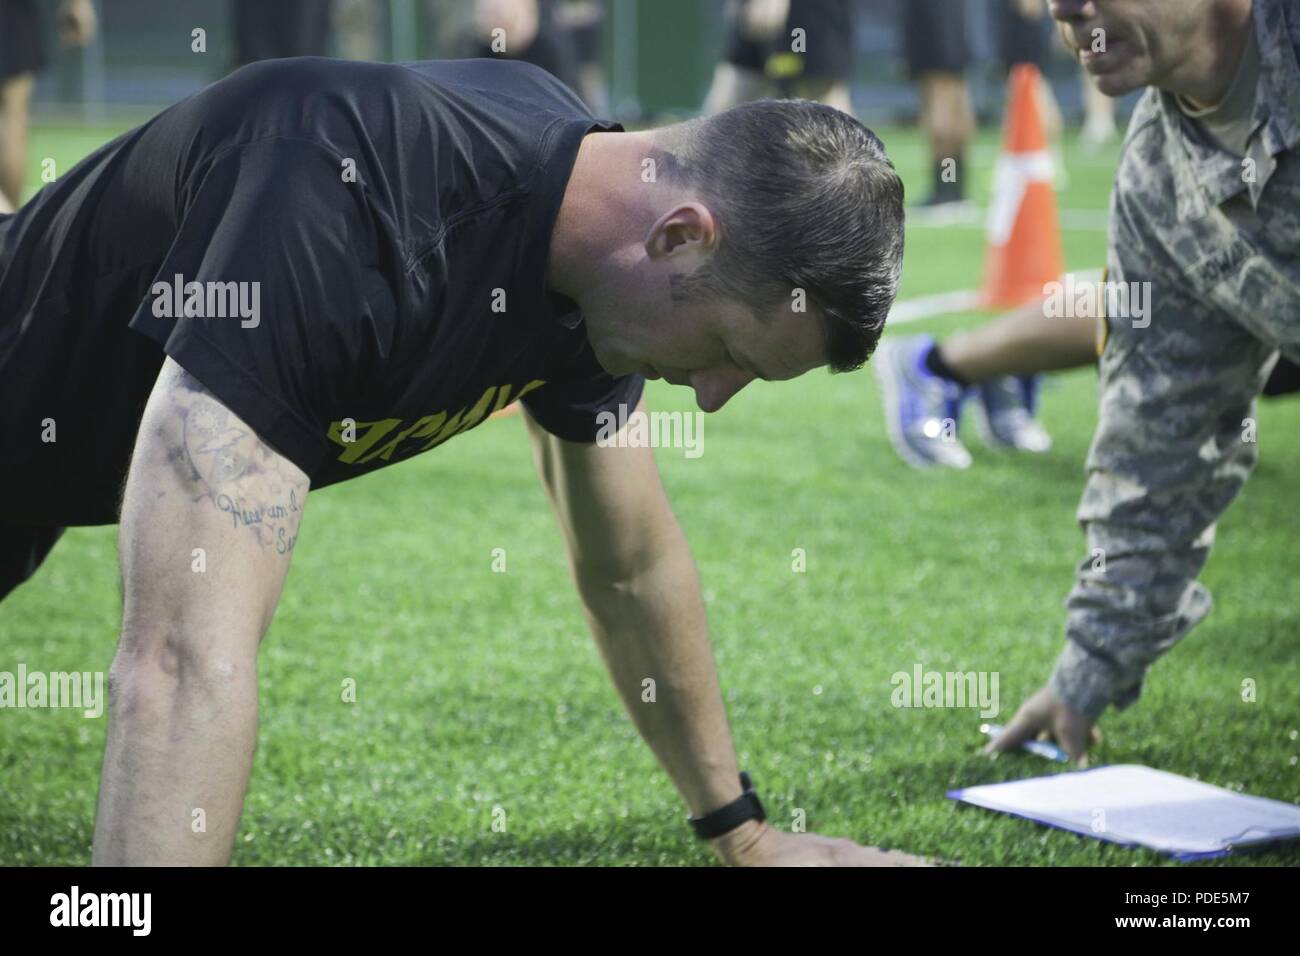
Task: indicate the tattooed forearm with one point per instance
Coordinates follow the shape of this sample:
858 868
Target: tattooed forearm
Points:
224 462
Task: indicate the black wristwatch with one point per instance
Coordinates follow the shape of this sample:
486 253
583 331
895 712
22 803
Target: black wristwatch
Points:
725 819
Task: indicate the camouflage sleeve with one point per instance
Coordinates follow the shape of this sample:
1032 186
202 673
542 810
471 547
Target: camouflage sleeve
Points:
1174 445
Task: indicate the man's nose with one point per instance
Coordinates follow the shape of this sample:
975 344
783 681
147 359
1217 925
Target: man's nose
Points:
714 388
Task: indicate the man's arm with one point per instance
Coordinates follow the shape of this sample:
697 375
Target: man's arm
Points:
638 584
209 521
1172 449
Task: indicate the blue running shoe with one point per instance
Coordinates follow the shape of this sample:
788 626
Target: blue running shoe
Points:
922 410
1004 414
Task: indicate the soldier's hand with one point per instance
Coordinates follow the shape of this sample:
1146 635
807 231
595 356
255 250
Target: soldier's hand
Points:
757 844
1044 716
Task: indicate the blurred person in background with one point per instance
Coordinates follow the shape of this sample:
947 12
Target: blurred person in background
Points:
22 54
937 53
993 369
585 22
1026 36
764 54
927 384
358 26
266 30
1099 127
527 30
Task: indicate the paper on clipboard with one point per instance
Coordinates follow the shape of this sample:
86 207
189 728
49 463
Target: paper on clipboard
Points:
1138 806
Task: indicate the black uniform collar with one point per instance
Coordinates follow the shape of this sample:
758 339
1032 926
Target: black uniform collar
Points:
563 309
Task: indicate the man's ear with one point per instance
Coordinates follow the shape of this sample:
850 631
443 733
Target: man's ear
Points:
688 228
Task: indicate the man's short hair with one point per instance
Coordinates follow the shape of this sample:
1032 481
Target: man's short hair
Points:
805 199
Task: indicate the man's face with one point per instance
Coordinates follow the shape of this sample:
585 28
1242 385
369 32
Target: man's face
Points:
713 347
1128 44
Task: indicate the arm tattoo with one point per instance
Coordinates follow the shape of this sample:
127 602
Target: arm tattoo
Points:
226 464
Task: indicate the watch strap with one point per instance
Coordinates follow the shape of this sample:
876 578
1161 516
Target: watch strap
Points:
744 808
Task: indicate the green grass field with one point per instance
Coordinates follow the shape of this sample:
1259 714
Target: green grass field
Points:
479 689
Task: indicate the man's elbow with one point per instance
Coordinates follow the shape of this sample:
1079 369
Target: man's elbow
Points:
633 574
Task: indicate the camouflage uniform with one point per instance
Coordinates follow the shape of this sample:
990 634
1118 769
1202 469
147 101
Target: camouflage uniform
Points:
1222 255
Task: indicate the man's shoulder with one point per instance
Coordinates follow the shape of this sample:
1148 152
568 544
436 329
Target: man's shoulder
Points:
1144 200
298 78
1278 28
528 85
1144 161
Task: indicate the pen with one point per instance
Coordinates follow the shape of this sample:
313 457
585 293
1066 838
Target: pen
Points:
1043 748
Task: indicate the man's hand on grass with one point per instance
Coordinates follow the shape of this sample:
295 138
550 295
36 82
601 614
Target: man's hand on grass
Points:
1044 716
757 844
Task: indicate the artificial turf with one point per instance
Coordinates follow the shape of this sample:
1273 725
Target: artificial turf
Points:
479 690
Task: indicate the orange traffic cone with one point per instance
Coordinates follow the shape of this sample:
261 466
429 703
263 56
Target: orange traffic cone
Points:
1024 234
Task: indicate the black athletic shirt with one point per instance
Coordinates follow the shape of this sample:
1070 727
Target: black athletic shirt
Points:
397 222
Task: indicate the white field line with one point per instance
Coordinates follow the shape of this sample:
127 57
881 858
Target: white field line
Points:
976 217
923 307
946 303
1096 220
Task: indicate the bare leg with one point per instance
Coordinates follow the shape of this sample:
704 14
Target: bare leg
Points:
732 86
1049 110
1054 128
22 550
209 519
829 92
946 115
1099 116
1024 342
15 104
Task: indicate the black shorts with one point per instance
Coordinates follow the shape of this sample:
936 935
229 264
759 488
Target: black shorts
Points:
47 483
1023 39
1284 380
22 41
22 550
587 41
744 53
934 37
827 44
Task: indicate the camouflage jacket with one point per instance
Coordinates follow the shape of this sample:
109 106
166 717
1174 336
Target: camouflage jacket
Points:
1217 237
